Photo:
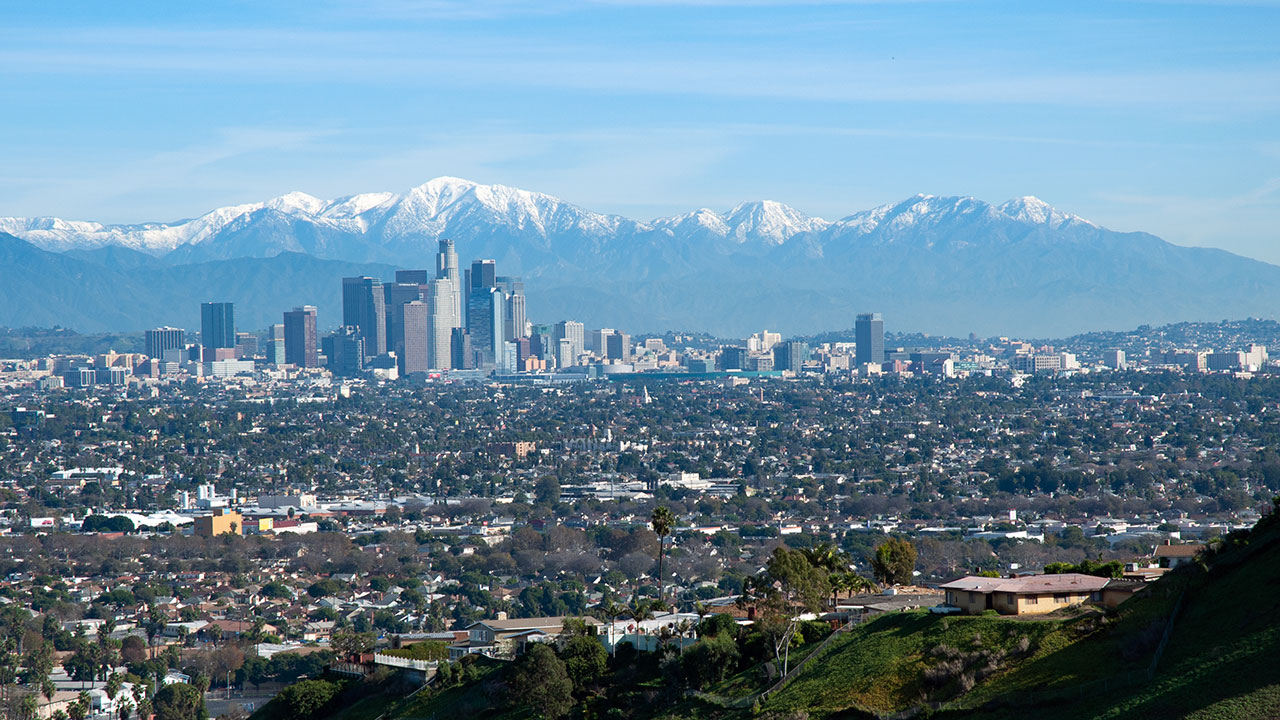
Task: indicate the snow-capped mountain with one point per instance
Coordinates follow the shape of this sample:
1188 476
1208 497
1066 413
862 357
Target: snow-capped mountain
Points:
382 225
933 263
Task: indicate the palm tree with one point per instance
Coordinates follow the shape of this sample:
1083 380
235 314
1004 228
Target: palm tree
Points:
663 522
685 629
826 556
611 612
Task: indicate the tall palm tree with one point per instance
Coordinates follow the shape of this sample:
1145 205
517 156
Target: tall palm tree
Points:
611 611
663 522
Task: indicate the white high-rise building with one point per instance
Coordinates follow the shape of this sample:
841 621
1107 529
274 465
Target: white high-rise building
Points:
442 298
447 268
573 332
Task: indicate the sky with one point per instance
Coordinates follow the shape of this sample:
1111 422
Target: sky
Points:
1155 116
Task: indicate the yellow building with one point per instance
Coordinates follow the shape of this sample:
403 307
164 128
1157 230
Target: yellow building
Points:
220 522
1027 595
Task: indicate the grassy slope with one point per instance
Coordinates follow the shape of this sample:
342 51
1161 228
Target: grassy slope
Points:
1219 662
878 666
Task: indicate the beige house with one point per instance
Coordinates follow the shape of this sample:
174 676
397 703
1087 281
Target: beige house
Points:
506 638
1027 595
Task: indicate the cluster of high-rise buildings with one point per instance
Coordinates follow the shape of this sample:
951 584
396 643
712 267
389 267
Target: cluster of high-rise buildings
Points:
425 321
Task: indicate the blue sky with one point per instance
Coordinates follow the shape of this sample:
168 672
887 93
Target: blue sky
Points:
1156 116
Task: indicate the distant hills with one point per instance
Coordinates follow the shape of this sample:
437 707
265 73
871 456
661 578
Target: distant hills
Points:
935 264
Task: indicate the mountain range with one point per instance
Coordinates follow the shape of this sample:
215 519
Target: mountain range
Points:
936 264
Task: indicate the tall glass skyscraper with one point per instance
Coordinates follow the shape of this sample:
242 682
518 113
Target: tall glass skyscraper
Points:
364 308
217 325
300 339
869 333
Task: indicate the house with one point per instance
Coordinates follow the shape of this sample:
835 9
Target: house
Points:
1171 556
1027 595
504 638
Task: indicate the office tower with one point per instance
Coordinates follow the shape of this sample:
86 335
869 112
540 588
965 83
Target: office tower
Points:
618 347
790 355
1114 359
413 277
275 345
573 332
733 358
345 350
396 295
463 355
516 322
300 337
486 312
869 333
415 353
565 357
246 345
484 275
442 316
447 269
217 325
364 308
597 341
161 339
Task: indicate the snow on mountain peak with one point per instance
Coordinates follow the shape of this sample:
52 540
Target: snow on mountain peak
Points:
770 221
1031 209
297 203
451 206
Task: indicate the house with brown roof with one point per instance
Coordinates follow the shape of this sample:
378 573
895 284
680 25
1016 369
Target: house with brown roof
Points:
506 638
1171 556
1026 595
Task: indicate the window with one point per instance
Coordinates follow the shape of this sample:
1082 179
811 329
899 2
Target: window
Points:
1010 599
1033 600
1096 597
1061 598
973 597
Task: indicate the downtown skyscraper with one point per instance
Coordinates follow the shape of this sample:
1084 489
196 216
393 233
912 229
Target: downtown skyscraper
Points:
869 334
447 269
364 308
301 343
217 325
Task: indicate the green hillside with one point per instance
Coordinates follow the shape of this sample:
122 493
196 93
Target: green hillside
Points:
1080 663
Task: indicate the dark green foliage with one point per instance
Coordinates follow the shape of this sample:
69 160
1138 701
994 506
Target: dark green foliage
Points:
541 682
585 660
894 561
103 523
308 699
179 701
1110 569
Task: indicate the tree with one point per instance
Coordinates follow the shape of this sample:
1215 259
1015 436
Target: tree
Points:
347 642
542 682
610 611
133 650
308 698
663 522
585 660
547 490
894 561
788 586
179 701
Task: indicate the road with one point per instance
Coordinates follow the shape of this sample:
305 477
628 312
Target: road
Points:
216 702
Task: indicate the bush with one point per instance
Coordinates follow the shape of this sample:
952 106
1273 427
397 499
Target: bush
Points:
813 631
307 699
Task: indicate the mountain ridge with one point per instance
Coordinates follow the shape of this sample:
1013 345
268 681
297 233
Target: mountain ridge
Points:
938 264
430 207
